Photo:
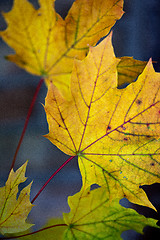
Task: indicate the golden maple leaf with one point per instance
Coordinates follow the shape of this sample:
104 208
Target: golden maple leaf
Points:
115 132
46 45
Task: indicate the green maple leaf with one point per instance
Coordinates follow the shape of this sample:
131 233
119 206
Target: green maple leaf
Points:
115 132
94 217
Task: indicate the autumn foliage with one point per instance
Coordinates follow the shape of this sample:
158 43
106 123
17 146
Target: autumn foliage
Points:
114 132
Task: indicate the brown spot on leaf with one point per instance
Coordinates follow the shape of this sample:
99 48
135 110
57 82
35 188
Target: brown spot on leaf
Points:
138 101
148 136
109 128
125 139
152 164
123 127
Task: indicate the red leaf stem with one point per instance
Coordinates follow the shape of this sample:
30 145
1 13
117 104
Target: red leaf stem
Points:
40 230
42 188
26 122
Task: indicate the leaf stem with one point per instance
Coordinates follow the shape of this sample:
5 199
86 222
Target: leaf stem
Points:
42 188
27 120
40 230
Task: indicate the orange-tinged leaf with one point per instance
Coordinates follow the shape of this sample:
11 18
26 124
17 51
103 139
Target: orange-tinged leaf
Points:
115 132
13 211
129 69
46 45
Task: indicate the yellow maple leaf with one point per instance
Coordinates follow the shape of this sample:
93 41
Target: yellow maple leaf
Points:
129 69
46 45
13 211
115 132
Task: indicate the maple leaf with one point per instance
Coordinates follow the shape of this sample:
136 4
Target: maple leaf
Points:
115 132
129 69
94 216
46 45
13 211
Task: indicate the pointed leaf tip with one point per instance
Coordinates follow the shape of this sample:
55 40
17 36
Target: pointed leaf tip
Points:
13 210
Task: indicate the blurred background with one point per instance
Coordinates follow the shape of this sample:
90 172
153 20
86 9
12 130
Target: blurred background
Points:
136 34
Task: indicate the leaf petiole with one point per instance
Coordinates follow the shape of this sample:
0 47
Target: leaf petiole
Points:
40 230
27 120
42 188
